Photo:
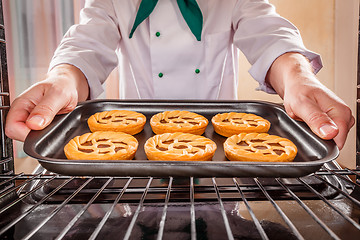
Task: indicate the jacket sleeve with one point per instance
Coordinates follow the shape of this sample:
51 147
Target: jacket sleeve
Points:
262 35
91 44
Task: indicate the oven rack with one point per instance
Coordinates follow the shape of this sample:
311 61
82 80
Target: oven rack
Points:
6 150
157 207
44 205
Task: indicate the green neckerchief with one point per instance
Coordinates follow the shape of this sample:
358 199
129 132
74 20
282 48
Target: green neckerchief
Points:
188 8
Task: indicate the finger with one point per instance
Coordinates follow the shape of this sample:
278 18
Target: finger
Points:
291 113
344 124
15 127
44 112
318 120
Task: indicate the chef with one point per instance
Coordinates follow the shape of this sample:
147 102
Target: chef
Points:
181 49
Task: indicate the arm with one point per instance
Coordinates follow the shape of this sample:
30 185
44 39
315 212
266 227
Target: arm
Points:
59 93
262 35
305 98
269 42
81 63
91 45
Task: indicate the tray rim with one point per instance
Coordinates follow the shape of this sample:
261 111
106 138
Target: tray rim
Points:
29 148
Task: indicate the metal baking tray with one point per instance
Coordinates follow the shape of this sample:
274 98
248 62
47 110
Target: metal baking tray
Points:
47 145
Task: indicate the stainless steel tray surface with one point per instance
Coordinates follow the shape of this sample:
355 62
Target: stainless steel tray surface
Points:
47 145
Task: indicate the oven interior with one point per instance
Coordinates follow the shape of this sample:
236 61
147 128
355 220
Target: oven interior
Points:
45 205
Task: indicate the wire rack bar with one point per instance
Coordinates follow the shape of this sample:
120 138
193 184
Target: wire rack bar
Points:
107 215
252 214
192 209
278 209
9 173
223 212
136 214
25 195
345 178
356 225
347 172
82 211
6 160
356 172
13 189
163 216
308 210
56 210
27 212
33 183
338 171
347 195
13 177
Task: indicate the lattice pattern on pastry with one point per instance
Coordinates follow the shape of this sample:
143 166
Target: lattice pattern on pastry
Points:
228 124
102 145
178 121
117 120
259 147
179 146
114 118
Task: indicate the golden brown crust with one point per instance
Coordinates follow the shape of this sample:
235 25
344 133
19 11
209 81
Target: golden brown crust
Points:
117 120
178 121
228 124
259 147
102 146
179 147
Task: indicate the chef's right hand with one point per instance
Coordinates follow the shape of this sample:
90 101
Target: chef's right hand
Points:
64 86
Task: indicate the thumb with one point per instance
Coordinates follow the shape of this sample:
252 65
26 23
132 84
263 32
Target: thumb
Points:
318 120
45 111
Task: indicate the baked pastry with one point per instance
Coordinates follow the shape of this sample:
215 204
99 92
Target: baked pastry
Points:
117 120
102 146
228 124
178 121
179 147
259 147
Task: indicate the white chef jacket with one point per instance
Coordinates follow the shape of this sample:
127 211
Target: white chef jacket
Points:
163 59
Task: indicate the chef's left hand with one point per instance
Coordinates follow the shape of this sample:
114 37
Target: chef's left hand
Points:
306 99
